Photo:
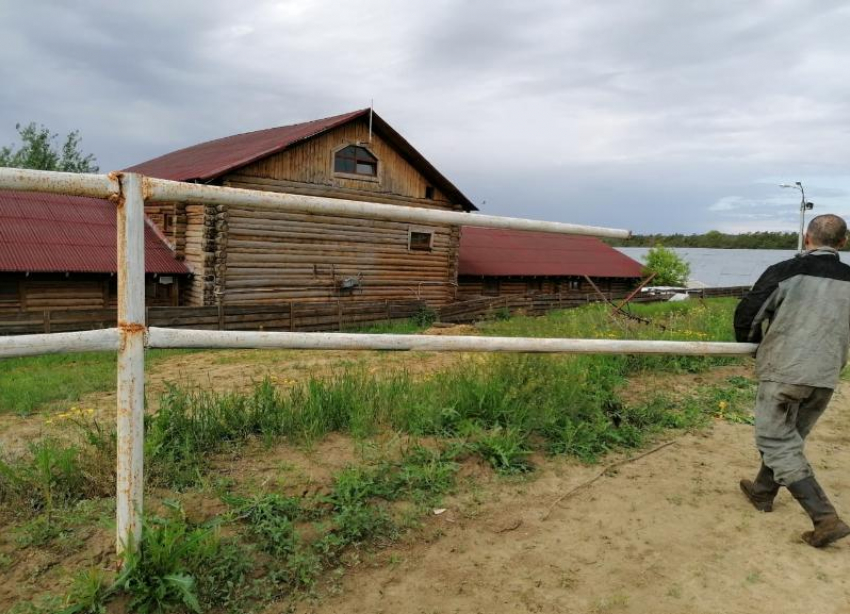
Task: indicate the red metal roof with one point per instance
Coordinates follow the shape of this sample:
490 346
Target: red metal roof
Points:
208 161
502 253
57 233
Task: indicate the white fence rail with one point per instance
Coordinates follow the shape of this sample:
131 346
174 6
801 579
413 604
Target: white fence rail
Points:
129 192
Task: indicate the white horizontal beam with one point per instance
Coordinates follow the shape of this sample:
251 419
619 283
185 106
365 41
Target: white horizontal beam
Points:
59 343
162 190
184 338
71 184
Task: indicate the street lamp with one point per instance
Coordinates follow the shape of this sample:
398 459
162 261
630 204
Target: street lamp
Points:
804 205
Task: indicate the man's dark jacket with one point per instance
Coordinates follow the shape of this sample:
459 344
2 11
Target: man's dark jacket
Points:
805 302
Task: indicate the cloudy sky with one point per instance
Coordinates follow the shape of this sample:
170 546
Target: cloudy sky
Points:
658 115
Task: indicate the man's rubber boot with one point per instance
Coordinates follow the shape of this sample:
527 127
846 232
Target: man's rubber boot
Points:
828 526
762 490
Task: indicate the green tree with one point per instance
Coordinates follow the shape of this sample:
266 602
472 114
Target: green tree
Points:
669 269
40 150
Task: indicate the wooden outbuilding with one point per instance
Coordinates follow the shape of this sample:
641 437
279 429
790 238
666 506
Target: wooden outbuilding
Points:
58 253
510 262
242 255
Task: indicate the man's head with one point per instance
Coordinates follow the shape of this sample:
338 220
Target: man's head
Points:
826 231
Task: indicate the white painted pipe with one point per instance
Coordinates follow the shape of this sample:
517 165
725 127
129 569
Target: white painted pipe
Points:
73 184
161 190
59 343
131 362
184 338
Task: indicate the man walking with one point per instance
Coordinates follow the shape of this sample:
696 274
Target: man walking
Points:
805 304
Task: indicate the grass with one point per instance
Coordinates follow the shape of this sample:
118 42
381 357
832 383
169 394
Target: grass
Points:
32 382
502 409
396 327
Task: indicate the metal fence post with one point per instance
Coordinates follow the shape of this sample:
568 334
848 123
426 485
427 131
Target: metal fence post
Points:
131 360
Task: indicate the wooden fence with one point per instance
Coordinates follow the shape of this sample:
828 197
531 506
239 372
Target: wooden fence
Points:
538 304
324 316
291 316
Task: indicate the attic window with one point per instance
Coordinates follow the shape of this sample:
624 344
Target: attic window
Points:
354 160
420 240
429 192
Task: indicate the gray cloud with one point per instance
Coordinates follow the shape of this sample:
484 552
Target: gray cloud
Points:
658 116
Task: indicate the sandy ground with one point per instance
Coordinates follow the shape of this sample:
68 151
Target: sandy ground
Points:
668 533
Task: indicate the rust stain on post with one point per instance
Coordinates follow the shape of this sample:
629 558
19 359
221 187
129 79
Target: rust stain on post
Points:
132 327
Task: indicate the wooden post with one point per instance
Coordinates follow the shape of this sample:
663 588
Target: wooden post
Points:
388 311
291 316
46 320
221 316
339 313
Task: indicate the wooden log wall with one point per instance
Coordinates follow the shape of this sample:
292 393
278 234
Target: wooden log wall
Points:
197 231
77 291
470 287
267 257
176 234
270 257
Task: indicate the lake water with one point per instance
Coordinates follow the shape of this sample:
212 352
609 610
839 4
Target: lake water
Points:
717 268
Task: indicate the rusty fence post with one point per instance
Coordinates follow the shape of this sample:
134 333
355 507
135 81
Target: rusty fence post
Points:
131 361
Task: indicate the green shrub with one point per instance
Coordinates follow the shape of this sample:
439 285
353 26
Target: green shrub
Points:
506 449
502 314
271 521
89 592
669 269
425 317
182 566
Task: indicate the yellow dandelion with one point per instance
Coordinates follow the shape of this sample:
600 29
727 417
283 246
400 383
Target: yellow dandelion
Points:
722 405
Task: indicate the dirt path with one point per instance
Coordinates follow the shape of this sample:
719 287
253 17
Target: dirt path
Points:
667 534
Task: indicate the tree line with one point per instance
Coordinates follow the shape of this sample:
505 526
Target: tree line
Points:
713 239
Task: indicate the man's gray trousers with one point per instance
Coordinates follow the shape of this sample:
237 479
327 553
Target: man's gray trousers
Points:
785 415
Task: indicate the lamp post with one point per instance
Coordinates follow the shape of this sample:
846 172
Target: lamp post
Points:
804 205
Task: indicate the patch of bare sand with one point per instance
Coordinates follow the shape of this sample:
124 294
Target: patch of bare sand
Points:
668 534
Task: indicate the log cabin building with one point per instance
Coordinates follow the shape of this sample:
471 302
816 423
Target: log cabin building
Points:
242 255
510 262
58 252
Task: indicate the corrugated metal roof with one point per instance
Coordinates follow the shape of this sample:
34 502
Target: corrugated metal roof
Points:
57 233
207 161
502 253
